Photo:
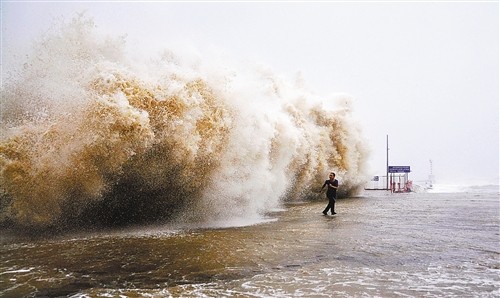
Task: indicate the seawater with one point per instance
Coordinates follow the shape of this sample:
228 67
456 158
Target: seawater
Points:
378 245
190 174
90 135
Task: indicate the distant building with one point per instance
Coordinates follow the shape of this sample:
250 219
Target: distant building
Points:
396 182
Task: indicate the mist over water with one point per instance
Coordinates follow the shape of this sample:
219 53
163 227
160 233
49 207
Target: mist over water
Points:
93 136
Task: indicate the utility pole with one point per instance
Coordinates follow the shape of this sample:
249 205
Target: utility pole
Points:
387 162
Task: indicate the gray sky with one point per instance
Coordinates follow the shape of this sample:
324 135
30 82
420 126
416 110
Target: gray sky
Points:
426 74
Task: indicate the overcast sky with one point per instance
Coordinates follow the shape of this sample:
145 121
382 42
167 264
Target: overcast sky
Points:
426 74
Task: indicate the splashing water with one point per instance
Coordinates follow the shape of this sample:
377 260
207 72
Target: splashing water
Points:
90 137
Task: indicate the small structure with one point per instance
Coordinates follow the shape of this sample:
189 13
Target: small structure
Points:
396 182
398 179
377 183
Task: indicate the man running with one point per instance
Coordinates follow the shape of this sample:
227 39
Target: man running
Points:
331 193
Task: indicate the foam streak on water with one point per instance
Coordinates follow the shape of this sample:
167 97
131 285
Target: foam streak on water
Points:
91 136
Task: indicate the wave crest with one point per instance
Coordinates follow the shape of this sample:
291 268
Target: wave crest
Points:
109 144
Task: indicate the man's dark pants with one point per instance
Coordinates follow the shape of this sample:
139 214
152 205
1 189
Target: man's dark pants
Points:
331 205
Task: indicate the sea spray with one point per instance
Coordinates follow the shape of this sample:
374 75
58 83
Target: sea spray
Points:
93 137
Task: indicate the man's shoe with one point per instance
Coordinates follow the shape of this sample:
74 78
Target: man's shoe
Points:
324 212
333 213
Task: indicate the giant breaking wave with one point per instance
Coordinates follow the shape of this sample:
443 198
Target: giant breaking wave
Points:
92 136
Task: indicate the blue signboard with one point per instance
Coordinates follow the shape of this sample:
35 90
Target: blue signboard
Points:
399 169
